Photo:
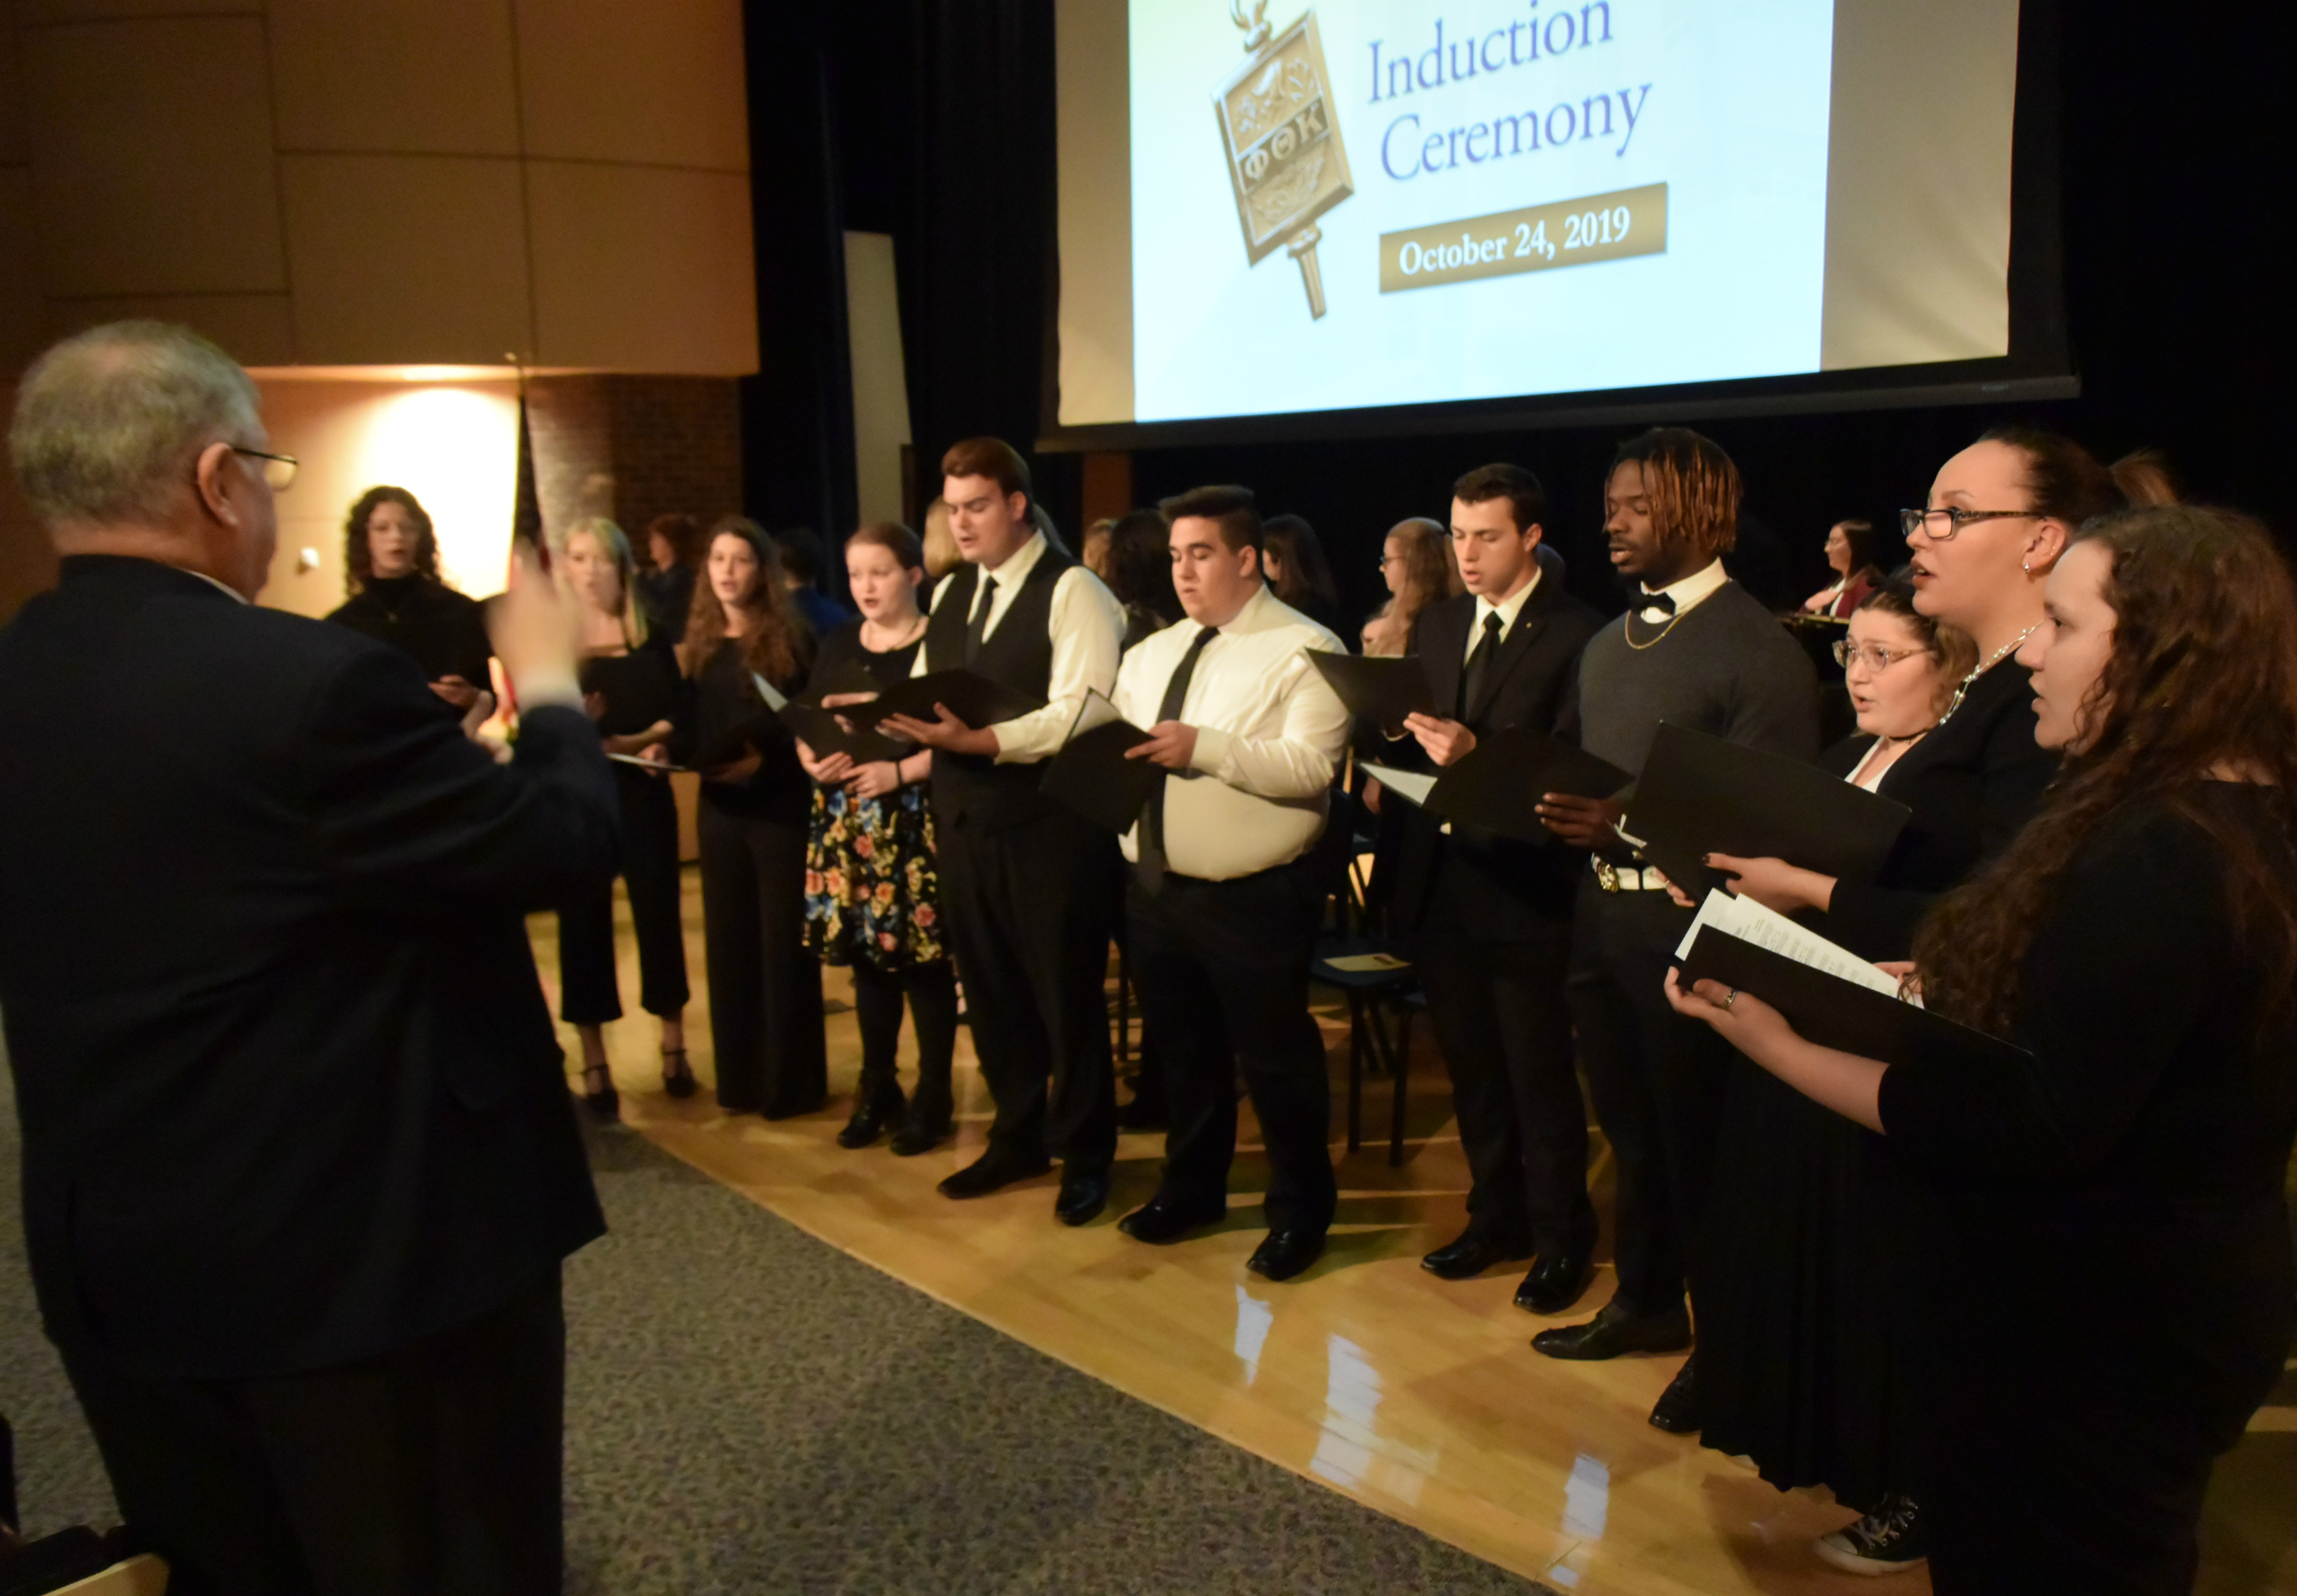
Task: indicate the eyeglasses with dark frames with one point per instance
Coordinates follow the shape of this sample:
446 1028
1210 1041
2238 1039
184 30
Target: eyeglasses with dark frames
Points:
278 470
1953 518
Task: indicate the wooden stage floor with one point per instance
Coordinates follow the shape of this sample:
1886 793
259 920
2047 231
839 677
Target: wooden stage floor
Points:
1420 1399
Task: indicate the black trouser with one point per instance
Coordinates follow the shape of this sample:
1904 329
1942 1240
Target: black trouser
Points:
433 1468
587 993
765 988
1658 1080
1223 967
1504 1024
932 992
1028 910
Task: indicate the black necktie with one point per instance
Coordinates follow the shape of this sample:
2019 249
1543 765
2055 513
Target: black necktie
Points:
976 625
1479 667
1664 603
1151 840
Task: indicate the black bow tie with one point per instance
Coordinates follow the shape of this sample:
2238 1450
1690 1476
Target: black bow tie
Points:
1663 602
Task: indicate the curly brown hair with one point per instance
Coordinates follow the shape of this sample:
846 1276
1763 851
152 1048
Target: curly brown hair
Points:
358 559
2203 677
777 643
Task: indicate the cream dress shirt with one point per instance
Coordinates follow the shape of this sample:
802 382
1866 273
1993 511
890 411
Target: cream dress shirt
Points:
1270 734
1087 623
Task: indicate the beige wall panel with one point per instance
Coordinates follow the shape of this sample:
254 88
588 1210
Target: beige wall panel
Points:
23 326
601 81
15 140
638 268
412 76
406 259
34 12
881 389
254 329
152 158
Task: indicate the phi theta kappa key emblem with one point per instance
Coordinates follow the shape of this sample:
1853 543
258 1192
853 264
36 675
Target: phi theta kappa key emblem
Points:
1284 154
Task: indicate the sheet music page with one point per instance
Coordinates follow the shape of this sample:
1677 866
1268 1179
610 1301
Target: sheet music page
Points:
767 691
1749 921
1412 785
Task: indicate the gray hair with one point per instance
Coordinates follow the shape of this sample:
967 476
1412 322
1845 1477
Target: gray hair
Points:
109 422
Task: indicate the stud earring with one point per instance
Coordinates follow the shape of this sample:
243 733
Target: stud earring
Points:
2027 566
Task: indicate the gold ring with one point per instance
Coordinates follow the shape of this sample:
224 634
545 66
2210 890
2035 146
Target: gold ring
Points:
1730 997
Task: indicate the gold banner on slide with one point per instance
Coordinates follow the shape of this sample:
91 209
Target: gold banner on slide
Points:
1538 238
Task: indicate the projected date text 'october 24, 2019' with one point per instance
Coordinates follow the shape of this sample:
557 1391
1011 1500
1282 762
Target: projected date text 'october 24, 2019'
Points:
1613 227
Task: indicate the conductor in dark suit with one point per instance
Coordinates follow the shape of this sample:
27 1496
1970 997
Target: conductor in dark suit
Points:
1488 917
300 1162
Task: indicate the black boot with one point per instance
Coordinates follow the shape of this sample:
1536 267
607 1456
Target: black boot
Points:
877 1103
928 1125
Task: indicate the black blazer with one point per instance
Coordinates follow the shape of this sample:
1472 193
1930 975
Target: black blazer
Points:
1502 889
290 1093
1973 783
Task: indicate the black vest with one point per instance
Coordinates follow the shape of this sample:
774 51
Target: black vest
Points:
974 789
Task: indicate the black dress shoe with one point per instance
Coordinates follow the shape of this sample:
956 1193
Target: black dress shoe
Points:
1160 1220
993 1169
873 1111
678 1076
1084 1193
1286 1253
926 1129
1677 1410
1613 1331
599 1093
1472 1254
1555 1282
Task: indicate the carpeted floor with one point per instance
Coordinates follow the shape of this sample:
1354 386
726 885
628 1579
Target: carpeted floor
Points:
749 1410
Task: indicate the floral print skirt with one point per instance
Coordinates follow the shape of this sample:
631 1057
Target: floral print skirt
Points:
870 893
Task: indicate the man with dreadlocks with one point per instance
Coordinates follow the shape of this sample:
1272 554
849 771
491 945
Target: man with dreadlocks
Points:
1698 650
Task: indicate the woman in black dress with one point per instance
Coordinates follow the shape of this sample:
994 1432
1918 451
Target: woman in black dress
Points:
2139 941
765 988
630 688
1799 1361
1293 556
396 596
872 900
665 589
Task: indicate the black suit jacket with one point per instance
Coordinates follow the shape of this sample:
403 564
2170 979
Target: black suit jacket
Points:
1499 888
290 1093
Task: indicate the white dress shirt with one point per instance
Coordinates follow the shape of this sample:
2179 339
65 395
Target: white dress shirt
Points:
1692 590
1270 734
1087 624
1507 610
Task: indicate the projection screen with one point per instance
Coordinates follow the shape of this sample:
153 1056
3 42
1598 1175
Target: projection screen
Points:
1362 204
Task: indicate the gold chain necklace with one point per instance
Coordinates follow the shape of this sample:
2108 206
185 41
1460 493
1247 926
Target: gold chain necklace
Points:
2000 653
1627 629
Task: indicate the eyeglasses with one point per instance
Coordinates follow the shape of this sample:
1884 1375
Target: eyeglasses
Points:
1951 520
278 470
1387 560
1848 654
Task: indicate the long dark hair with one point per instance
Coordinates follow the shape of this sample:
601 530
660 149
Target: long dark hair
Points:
1300 554
1141 565
358 559
779 644
2204 674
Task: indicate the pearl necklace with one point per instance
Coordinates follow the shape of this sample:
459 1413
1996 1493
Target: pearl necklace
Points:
2001 654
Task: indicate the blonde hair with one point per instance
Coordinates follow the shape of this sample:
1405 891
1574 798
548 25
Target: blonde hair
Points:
1430 572
941 555
610 538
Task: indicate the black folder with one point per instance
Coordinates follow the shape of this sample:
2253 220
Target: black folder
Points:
1378 688
972 697
1835 1012
1700 794
825 734
1092 776
1499 783
847 676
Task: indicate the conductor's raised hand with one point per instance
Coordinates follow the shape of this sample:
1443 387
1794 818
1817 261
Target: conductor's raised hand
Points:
1171 744
944 731
1582 822
533 625
1445 741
